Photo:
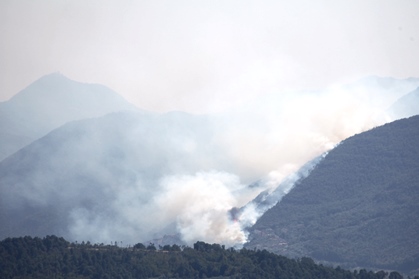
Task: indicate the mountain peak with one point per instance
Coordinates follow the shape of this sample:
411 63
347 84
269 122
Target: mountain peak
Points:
50 102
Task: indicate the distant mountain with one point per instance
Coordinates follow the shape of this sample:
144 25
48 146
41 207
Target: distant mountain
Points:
96 174
406 106
388 83
382 92
48 103
358 207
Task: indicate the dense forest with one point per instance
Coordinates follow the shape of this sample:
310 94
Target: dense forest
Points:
54 257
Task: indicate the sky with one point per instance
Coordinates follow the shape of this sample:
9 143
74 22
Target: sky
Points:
206 56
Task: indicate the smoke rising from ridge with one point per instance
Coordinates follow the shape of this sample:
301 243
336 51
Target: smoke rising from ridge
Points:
132 176
267 140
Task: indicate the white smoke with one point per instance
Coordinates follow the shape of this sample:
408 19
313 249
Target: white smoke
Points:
269 141
195 175
252 211
200 204
273 139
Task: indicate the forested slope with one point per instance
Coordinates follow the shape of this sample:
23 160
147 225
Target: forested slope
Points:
54 257
359 206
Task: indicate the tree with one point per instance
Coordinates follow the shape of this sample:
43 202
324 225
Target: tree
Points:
395 275
151 247
139 246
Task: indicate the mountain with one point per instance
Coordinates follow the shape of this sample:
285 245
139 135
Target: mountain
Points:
135 176
358 207
48 103
381 92
406 106
96 177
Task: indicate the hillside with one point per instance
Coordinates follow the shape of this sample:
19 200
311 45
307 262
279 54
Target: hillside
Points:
358 207
48 103
87 176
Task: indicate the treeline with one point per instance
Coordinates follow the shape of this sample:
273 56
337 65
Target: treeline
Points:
54 257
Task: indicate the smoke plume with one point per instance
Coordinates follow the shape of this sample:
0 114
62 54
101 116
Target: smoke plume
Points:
134 177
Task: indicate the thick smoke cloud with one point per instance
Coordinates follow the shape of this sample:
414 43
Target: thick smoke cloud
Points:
199 204
266 141
195 206
280 132
132 177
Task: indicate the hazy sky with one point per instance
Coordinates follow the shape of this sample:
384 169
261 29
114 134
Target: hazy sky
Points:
202 56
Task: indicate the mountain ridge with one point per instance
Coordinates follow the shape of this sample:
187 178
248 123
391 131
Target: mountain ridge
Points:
48 103
358 206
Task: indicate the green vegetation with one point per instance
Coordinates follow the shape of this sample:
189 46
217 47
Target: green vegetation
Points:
359 206
54 257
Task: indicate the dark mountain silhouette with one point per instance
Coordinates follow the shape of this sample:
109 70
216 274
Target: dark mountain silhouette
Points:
358 207
406 106
48 103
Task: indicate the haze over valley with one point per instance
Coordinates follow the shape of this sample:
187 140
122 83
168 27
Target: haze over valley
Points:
260 124
134 175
